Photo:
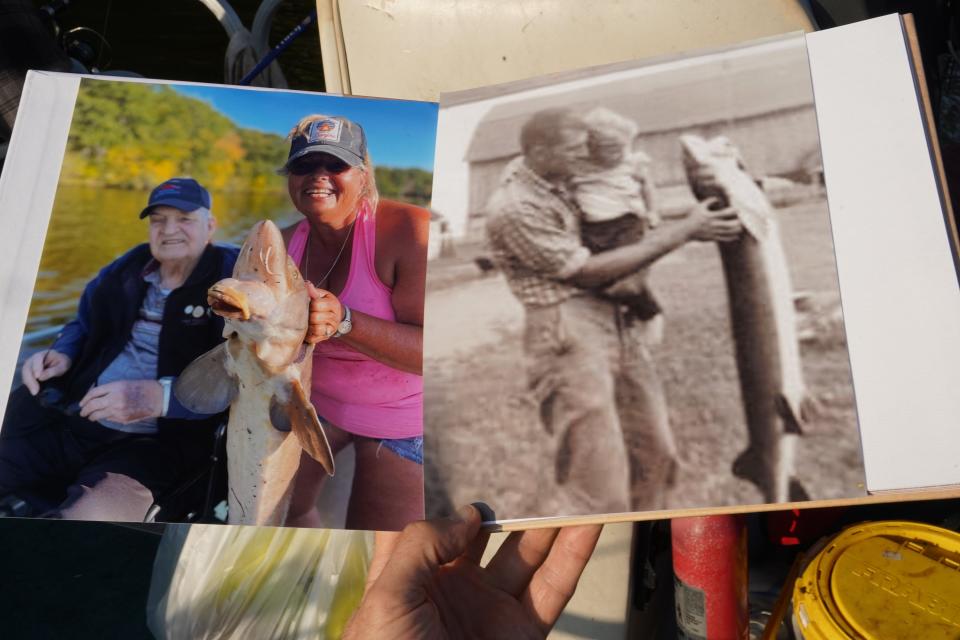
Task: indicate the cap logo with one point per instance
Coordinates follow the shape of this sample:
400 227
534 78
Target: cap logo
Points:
327 130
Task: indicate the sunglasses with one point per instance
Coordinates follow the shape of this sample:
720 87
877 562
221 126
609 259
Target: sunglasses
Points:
317 162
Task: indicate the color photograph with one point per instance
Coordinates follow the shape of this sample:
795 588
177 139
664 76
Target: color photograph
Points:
633 306
227 320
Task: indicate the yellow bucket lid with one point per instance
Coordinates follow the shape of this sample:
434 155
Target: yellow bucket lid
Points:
882 580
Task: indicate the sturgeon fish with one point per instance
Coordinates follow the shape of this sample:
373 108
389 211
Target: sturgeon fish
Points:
262 373
762 320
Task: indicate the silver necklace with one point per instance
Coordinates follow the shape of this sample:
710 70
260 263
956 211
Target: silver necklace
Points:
306 260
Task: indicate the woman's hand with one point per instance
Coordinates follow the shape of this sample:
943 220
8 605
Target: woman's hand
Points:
326 313
429 583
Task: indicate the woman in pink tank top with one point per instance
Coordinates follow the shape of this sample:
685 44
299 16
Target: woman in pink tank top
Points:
367 260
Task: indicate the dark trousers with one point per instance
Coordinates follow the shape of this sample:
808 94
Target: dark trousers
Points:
66 466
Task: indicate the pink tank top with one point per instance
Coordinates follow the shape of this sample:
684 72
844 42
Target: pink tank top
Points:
352 390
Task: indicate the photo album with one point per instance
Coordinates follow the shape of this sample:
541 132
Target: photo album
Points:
714 282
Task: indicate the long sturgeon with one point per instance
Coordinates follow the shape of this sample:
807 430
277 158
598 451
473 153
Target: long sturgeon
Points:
261 372
762 320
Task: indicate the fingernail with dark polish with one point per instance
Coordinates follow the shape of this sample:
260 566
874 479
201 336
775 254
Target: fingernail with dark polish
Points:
487 514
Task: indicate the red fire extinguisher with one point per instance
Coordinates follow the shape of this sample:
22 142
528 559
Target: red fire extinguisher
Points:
710 577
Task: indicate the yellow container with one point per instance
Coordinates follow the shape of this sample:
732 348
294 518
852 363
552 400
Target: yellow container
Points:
881 580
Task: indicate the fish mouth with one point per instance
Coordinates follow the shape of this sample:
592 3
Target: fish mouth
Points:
228 303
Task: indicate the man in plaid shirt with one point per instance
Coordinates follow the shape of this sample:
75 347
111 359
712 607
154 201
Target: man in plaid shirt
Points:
589 371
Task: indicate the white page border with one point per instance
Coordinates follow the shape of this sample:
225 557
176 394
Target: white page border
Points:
896 265
28 186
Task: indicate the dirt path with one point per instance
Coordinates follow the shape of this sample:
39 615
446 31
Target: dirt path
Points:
451 310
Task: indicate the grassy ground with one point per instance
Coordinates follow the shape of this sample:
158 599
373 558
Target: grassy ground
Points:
483 442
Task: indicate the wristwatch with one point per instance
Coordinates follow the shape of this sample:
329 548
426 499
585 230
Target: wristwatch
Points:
165 384
345 325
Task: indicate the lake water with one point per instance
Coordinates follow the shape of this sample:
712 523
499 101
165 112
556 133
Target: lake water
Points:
91 226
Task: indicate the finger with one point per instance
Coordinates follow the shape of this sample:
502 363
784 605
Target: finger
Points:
733 229
29 377
426 545
106 413
555 581
36 366
477 547
316 337
724 214
96 409
724 238
321 316
518 559
90 403
732 237
320 334
312 290
58 368
384 542
322 320
320 331
30 383
728 227
94 393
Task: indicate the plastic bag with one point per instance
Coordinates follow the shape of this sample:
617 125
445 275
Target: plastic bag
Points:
220 581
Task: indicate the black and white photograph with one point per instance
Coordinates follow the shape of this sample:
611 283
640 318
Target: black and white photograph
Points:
632 301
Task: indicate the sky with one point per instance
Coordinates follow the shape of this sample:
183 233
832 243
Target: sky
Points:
400 133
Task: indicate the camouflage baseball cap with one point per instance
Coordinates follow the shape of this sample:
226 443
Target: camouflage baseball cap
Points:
335 135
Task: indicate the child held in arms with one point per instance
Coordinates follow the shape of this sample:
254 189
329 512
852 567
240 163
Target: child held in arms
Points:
616 196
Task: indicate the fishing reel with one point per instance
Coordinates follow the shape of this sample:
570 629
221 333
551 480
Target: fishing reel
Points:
87 47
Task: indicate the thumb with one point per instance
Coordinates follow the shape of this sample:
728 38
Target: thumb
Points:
707 203
425 546
315 292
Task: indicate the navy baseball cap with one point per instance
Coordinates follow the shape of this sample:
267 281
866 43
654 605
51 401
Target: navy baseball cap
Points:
185 194
338 136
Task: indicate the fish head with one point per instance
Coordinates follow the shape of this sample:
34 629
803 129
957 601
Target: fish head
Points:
266 299
705 162
715 169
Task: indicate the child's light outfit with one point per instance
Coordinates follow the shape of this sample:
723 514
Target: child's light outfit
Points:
614 214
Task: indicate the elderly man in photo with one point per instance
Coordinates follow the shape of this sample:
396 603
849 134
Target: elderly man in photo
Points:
588 369
94 432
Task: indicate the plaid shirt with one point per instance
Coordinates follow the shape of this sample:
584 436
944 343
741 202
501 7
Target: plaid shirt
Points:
534 231
25 43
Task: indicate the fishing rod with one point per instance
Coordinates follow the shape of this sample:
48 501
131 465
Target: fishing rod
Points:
280 48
